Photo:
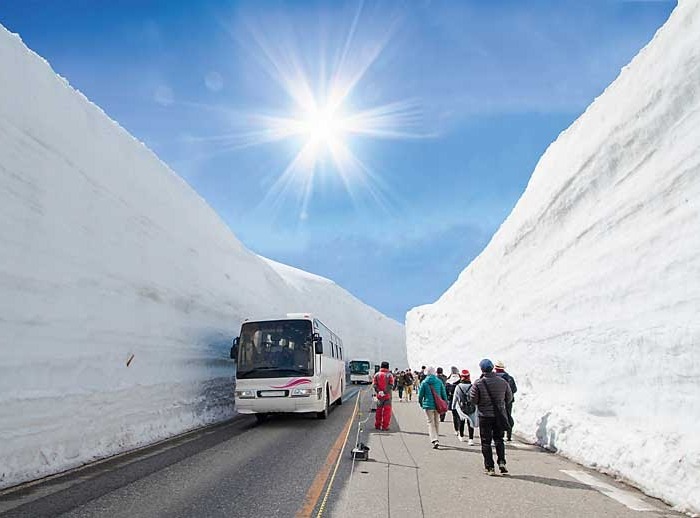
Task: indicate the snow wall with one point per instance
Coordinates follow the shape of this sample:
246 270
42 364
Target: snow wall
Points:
107 255
590 290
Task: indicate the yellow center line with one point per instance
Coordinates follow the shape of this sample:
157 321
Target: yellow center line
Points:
334 455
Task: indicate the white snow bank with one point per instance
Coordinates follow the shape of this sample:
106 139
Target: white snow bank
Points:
590 290
105 256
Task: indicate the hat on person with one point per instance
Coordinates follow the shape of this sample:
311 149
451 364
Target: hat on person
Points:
499 364
431 370
486 365
465 373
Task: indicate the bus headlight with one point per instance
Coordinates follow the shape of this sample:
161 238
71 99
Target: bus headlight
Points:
245 394
303 392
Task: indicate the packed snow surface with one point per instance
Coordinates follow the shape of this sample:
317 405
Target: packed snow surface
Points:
590 290
120 288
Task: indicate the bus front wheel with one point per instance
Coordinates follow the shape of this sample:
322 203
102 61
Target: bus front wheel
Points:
339 401
323 414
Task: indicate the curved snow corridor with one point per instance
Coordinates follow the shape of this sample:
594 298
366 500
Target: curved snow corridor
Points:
107 256
590 290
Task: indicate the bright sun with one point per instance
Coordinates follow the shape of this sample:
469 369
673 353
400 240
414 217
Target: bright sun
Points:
323 126
323 115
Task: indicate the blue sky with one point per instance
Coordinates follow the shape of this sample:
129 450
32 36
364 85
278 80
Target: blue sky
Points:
486 87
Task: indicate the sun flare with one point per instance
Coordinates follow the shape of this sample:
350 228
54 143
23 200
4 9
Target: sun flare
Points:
323 125
324 115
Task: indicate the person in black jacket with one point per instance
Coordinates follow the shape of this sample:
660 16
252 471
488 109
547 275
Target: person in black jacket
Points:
501 371
490 394
408 377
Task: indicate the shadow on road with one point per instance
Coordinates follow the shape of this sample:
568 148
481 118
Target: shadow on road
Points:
457 448
554 482
425 434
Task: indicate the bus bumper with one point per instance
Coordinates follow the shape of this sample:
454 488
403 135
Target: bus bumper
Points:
279 405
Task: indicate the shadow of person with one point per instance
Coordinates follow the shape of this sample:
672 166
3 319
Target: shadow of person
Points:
553 482
414 433
545 437
456 448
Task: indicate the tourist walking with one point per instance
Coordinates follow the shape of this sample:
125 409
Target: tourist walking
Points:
463 410
501 371
451 383
408 376
429 389
383 385
401 384
490 393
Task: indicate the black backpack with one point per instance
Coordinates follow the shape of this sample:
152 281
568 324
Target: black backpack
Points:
450 389
465 404
511 382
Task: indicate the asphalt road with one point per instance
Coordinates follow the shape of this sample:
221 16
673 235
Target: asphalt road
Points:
239 468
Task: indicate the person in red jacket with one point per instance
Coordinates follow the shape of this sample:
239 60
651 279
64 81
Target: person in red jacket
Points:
383 385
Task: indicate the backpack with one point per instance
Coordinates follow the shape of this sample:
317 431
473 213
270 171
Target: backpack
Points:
511 382
450 389
465 404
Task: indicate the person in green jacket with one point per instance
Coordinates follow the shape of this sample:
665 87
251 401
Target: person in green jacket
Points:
427 403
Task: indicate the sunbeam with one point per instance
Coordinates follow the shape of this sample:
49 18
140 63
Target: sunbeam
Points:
323 114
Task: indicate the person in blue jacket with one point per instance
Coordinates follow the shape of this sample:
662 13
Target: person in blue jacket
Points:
427 403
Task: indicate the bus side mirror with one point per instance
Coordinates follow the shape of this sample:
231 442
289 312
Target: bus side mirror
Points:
318 343
234 349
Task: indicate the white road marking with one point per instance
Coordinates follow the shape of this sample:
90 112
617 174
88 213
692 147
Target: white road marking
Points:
624 497
350 395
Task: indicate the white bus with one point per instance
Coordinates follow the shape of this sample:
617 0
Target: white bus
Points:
361 371
291 364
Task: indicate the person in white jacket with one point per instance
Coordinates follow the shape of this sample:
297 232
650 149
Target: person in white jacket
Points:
463 411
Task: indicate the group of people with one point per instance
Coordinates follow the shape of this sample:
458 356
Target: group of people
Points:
405 382
486 403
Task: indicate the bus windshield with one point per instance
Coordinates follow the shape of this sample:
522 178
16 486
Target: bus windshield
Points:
359 367
275 349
